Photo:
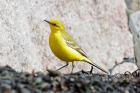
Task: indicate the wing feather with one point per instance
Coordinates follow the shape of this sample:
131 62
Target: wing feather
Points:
72 43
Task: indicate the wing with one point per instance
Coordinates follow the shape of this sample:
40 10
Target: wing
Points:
72 43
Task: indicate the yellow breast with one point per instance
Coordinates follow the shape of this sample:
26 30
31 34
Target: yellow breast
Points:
61 50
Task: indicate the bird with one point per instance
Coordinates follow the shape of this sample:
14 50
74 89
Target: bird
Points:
65 47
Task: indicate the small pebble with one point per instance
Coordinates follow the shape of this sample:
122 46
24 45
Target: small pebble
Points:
79 82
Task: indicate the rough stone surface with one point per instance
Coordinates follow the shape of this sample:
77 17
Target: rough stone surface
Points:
56 82
127 66
134 24
132 5
99 26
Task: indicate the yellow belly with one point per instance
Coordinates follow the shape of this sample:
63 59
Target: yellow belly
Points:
61 50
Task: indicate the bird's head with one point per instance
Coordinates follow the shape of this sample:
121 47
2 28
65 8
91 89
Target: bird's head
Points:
55 25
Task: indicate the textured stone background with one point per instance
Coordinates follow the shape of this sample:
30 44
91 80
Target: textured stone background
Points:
133 11
99 26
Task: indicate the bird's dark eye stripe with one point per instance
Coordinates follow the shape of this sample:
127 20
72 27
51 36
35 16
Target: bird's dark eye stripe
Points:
55 25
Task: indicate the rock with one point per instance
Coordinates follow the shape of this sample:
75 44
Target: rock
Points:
69 83
132 6
23 90
99 26
134 24
122 68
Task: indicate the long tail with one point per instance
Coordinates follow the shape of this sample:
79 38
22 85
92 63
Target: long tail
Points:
95 65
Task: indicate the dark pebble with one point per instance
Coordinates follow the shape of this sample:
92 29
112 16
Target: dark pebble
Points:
79 82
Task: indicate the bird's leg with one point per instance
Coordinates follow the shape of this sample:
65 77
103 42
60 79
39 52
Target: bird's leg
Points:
72 67
63 66
91 70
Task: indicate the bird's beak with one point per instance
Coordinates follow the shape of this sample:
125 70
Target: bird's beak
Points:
47 21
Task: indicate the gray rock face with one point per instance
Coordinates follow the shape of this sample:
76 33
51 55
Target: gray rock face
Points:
134 24
127 65
99 26
133 5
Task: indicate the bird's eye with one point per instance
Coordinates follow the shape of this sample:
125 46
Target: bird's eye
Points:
54 24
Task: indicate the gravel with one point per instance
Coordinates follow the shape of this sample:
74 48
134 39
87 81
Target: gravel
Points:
55 82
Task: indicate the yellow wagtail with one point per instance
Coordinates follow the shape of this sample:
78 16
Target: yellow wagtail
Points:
64 46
